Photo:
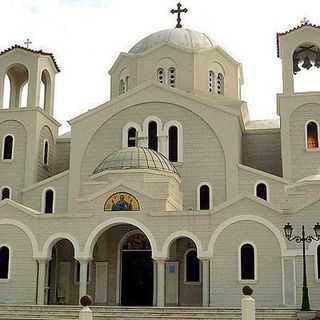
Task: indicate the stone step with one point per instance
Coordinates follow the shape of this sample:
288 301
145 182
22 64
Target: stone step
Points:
36 312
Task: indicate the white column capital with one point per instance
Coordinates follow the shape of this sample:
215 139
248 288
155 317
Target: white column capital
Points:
83 260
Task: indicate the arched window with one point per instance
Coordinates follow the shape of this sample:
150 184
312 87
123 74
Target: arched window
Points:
132 137
153 136
5 193
24 95
46 152
4 262
173 144
6 92
161 76
122 87
48 201
204 197
211 82
262 191
318 260
192 266
172 77
42 95
220 84
312 135
7 147
247 262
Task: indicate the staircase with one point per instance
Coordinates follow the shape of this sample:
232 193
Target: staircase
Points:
30 312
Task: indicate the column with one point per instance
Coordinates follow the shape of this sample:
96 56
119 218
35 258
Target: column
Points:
154 303
205 282
42 278
83 277
160 283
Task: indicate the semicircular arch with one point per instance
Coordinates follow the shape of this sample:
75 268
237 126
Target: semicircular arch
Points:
26 230
102 227
54 238
276 232
178 235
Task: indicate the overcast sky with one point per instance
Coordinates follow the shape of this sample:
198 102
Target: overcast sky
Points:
86 37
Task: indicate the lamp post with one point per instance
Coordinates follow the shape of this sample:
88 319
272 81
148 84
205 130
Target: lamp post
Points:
303 238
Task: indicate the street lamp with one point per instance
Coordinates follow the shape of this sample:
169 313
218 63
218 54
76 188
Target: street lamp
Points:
288 230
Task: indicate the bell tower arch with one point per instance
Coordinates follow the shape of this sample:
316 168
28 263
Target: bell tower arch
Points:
36 69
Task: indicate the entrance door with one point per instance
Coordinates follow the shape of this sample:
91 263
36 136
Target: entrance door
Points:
136 270
137 278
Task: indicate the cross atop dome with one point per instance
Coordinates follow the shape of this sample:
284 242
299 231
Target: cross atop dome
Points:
179 11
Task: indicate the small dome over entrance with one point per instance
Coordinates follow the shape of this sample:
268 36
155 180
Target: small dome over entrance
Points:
136 158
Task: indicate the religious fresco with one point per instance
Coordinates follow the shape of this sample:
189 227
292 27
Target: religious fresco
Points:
122 201
137 241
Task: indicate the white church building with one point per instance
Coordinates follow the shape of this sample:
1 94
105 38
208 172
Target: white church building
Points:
166 195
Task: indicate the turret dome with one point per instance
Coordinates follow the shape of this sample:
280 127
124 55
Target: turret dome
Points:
179 37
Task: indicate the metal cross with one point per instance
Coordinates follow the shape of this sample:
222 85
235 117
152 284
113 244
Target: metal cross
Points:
304 20
27 43
179 11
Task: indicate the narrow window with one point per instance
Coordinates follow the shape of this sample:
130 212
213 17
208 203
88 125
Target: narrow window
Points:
161 76
211 82
4 262
220 84
122 87
153 136
173 144
132 137
127 84
204 197
5 193
172 77
262 191
312 135
49 201
318 259
247 262
192 267
8 148
46 153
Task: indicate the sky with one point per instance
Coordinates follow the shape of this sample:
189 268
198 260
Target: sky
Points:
86 36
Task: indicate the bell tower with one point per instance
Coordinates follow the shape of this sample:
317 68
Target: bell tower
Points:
299 51
27 82
34 69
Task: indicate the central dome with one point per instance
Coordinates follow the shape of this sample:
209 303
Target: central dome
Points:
135 158
182 38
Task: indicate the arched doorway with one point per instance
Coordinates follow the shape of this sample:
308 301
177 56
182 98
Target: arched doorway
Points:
136 279
62 286
183 274
122 266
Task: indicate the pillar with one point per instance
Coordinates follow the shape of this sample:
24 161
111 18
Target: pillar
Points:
287 76
83 277
154 303
160 283
42 278
205 282
248 308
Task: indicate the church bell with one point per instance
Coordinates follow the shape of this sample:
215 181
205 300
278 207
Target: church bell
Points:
317 60
306 63
296 68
